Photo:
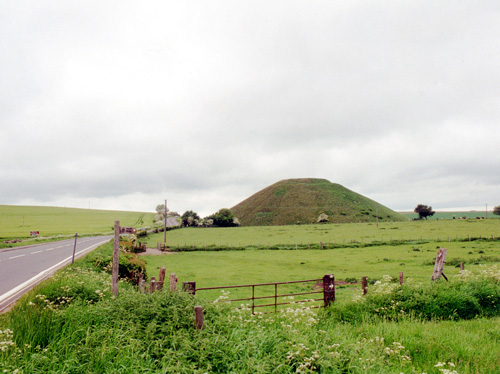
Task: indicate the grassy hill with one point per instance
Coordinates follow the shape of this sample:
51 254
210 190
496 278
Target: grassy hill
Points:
301 201
18 221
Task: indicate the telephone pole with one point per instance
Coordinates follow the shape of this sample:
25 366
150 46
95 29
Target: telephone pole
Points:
165 232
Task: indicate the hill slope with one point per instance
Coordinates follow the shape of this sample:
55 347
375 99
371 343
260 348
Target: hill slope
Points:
18 221
301 201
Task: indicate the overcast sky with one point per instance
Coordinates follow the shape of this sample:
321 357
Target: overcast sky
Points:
122 104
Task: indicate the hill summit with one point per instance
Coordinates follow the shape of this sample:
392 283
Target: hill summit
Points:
301 201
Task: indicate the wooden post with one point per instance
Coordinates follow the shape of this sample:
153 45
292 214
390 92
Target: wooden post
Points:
152 287
173 282
438 267
198 311
364 285
462 266
189 287
401 278
328 289
161 277
116 260
141 284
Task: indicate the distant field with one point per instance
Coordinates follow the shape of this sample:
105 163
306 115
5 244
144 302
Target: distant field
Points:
364 233
450 215
18 221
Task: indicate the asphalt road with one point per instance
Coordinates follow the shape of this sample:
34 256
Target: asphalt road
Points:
22 268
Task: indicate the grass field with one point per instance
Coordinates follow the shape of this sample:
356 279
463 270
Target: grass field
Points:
351 252
19 221
450 215
341 234
225 268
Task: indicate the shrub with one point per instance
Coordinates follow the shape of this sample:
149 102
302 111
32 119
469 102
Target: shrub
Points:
130 266
467 298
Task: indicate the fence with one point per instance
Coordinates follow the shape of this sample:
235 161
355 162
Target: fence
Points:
344 243
324 286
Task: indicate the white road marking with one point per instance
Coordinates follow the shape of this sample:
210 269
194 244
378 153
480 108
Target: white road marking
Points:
33 253
11 258
31 282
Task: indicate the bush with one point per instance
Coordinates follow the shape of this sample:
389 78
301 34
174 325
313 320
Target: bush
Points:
130 266
458 299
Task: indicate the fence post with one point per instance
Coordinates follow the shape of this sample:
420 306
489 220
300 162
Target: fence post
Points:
173 282
161 277
401 279
189 287
116 259
152 287
462 266
198 311
328 289
364 285
438 267
141 283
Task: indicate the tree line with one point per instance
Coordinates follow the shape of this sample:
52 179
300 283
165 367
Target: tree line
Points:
223 218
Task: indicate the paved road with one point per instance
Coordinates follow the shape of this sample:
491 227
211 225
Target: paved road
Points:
172 221
22 268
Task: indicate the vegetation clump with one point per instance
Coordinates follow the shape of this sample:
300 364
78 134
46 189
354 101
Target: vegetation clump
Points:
470 296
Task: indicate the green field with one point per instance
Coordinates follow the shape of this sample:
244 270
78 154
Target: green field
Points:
249 255
334 234
226 268
19 221
450 215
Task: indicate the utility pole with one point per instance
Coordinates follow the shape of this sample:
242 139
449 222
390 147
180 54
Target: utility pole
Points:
165 232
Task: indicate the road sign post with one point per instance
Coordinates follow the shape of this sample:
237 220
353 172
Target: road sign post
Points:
74 248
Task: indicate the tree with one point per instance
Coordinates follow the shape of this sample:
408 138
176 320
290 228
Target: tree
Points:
496 210
160 213
190 218
424 211
224 218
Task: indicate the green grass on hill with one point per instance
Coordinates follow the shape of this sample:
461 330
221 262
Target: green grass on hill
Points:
301 201
18 221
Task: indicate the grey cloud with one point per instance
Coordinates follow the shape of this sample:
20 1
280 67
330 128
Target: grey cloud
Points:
214 101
